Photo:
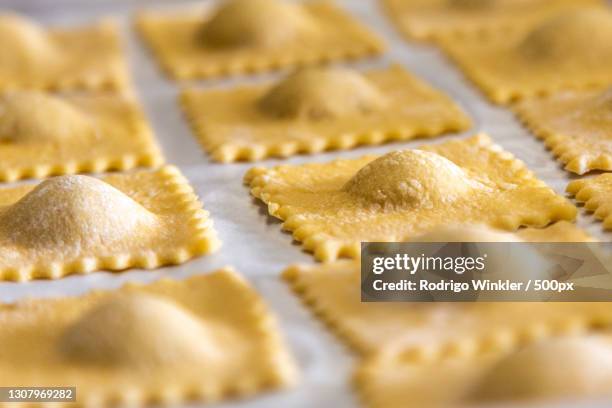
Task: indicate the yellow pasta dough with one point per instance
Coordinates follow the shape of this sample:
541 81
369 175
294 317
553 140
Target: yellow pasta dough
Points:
561 231
596 194
428 19
550 370
243 36
332 207
576 126
43 134
205 338
567 51
78 224
333 292
315 109
32 57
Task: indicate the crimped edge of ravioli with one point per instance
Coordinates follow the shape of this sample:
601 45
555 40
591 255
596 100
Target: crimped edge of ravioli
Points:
456 32
291 275
371 45
500 92
281 369
317 242
204 241
500 339
114 81
326 248
150 157
494 26
583 193
229 153
85 84
573 162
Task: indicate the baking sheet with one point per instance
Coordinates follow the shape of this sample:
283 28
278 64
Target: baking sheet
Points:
252 241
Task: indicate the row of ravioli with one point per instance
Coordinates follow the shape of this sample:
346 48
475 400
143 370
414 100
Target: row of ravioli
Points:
205 338
554 54
80 222
554 72
211 337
